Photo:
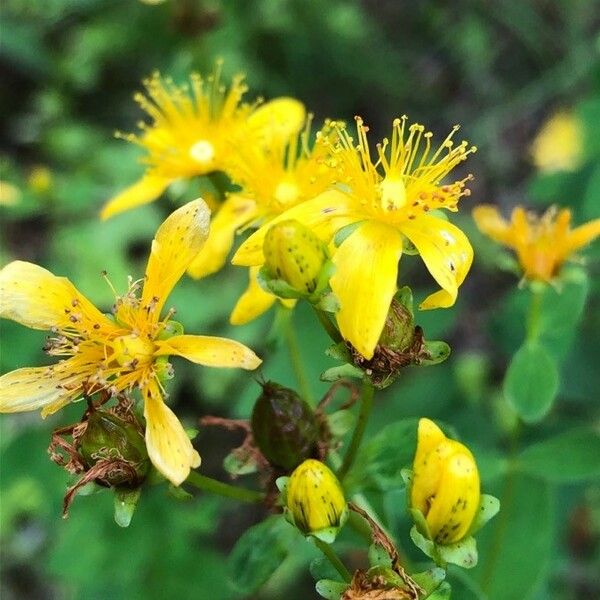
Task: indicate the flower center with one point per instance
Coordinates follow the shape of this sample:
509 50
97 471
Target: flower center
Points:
203 152
133 351
286 192
393 193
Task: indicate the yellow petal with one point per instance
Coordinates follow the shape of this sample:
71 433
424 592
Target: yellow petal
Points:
446 252
175 245
489 221
253 302
234 212
429 435
38 299
364 282
147 189
209 351
457 501
581 236
324 215
278 119
48 388
169 447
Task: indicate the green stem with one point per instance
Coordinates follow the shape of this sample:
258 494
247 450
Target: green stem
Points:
533 318
328 326
366 400
209 484
333 558
296 360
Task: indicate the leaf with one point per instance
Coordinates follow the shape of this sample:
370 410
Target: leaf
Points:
442 593
259 552
531 382
570 457
463 553
516 548
436 353
381 460
341 372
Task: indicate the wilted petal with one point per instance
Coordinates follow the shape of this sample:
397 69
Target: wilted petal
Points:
169 447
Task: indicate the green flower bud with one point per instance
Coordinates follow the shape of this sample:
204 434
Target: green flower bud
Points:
108 437
399 328
315 500
284 426
294 254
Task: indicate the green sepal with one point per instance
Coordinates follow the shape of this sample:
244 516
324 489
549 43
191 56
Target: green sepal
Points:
462 553
178 493
163 369
430 580
339 352
420 522
378 557
342 372
434 353
441 593
488 508
345 232
330 589
276 286
329 534
171 329
125 504
408 247
327 302
405 297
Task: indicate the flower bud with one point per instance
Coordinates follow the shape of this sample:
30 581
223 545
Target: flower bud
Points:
294 254
284 426
107 437
315 500
445 484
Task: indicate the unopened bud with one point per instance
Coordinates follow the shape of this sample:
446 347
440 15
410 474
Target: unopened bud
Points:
315 500
294 254
445 486
399 328
108 437
284 426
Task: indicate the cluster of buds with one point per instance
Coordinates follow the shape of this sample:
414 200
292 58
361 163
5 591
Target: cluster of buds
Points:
107 448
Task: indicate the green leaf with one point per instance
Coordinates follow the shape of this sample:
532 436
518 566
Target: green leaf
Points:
531 382
330 590
570 457
437 352
431 579
259 552
378 557
463 553
442 593
381 460
516 548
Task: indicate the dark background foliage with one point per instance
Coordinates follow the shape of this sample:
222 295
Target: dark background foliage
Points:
69 69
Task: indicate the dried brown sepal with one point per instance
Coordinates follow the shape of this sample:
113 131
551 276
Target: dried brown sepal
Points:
374 587
388 362
381 538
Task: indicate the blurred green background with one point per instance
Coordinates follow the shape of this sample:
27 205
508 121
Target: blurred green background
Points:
69 69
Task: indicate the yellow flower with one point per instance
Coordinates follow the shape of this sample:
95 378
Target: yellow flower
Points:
542 243
9 194
273 177
315 498
117 353
191 130
559 144
40 179
445 485
387 200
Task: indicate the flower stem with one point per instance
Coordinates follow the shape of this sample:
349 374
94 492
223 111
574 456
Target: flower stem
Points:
328 326
366 399
533 318
296 360
333 558
209 484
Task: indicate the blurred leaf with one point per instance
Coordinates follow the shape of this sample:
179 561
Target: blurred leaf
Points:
259 552
569 457
526 521
531 382
382 458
